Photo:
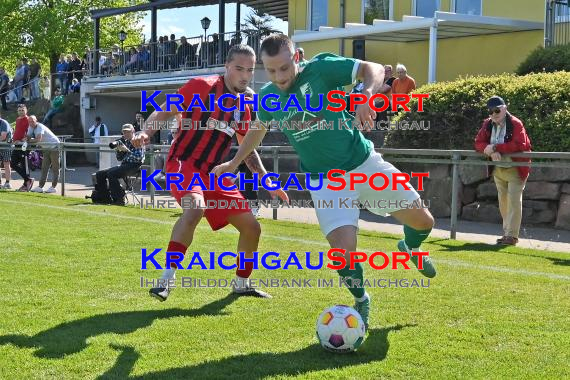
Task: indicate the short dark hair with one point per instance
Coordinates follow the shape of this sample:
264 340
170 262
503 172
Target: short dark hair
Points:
273 43
97 118
239 49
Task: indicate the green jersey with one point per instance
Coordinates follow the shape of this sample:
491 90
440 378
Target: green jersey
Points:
321 147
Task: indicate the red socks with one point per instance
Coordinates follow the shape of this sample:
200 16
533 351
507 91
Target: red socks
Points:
244 273
174 246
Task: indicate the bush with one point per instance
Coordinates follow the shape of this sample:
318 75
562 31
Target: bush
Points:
457 109
551 59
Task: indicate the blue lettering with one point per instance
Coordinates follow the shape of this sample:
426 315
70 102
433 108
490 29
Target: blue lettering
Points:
274 104
276 262
221 181
196 180
292 257
145 101
196 260
145 179
221 102
211 102
174 100
221 258
174 179
308 103
243 102
196 99
174 258
292 99
276 183
242 260
308 261
308 182
292 178
145 258
254 181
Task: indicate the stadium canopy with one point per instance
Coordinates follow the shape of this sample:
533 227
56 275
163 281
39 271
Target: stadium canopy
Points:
276 8
413 29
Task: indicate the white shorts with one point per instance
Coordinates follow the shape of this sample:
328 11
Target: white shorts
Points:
342 212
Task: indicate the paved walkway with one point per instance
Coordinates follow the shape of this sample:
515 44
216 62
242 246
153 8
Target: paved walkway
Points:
78 184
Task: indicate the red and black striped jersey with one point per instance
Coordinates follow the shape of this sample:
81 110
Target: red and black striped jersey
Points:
201 143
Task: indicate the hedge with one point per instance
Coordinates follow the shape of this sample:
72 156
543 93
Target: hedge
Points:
457 109
550 59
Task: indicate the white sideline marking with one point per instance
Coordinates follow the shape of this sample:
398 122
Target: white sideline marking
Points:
285 238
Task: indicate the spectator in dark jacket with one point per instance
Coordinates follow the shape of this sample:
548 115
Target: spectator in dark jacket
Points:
500 135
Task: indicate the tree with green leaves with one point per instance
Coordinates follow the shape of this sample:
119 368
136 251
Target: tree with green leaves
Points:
47 28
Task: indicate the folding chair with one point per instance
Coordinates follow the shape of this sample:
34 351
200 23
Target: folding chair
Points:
130 182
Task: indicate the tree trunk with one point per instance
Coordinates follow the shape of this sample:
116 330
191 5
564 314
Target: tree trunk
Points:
53 59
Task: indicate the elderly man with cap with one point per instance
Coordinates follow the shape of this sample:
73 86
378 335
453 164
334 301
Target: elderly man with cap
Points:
131 160
500 135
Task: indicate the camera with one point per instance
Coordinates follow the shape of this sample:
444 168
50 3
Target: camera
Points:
115 144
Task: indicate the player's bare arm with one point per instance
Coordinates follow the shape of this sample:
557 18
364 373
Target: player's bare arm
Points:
254 163
372 76
143 137
251 140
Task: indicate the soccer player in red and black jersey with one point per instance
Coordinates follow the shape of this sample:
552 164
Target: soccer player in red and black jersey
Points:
196 150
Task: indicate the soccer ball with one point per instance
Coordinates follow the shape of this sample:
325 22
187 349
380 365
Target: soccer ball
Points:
340 329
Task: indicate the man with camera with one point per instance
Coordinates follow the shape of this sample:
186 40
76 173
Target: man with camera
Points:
131 160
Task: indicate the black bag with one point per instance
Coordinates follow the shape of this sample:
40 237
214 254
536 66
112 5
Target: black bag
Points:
99 197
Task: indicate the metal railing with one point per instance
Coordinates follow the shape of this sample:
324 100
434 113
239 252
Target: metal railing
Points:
456 158
557 23
173 55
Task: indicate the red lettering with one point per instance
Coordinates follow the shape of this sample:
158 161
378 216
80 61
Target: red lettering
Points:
420 98
385 105
373 264
354 180
354 259
420 177
334 258
340 180
403 103
396 180
334 100
373 186
396 259
420 256
354 102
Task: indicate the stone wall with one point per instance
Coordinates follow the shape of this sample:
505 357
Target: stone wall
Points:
546 198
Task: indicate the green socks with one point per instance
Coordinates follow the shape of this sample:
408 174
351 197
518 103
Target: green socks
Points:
356 280
414 238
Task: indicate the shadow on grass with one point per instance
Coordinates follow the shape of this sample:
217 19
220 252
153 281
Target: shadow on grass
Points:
71 337
475 247
265 364
491 248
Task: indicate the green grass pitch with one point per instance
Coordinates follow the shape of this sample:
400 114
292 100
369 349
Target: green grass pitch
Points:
72 306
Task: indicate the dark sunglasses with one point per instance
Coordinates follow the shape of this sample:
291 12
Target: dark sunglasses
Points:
494 110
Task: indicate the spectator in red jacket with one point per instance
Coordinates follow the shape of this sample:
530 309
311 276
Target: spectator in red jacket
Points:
500 135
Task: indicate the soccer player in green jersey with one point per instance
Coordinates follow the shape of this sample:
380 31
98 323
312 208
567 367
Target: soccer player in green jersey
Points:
322 149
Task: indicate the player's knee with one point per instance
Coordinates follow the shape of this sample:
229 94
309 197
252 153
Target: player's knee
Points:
191 218
426 222
252 229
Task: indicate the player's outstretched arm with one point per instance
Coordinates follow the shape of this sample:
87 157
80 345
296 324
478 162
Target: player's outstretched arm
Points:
372 76
254 163
143 137
252 139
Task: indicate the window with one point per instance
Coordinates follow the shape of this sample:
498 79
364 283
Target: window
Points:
562 12
318 14
375 10
425 8
468 7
